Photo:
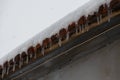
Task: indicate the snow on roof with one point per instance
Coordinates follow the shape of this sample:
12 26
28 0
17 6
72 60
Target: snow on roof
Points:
22 20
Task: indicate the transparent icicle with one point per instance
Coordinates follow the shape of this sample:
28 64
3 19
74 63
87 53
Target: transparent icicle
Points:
82 28
2 74
98 19
35 56
42 51
31 55
109 14
50 46
13 67
20 64
67 35
8 70
59 43
86 26
76 30
27 60
79 28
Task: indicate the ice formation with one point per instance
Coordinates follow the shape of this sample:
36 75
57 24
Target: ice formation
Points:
88 8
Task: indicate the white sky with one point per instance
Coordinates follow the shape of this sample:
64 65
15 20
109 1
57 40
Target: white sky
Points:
22 19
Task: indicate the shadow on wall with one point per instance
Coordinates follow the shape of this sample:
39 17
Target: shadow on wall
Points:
101 65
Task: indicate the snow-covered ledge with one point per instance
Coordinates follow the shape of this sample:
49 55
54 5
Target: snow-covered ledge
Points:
88 8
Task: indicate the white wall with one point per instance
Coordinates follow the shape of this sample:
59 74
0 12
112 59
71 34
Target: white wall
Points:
103 64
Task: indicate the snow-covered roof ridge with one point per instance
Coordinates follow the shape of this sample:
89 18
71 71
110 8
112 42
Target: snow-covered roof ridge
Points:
89 8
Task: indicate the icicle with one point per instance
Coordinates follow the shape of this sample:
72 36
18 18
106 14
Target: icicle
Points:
8 70
109 14
50 46
27 60
67 35
4 71
85 27
31 55
59 43
35 56
20 63
110 11
2 74
86 24
13 67
98 20
82 28
43 51
76 30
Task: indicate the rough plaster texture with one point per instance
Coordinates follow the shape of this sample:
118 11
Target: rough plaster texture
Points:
103 64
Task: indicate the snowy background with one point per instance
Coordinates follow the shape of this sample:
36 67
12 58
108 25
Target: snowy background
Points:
20 20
